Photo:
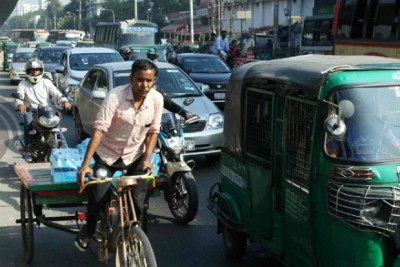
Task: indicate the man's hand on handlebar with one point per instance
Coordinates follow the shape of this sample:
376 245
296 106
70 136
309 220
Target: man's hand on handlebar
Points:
188 116
81 175
147 165
21 109
67 106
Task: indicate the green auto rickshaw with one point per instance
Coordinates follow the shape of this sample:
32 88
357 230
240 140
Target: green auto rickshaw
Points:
9 49
310 162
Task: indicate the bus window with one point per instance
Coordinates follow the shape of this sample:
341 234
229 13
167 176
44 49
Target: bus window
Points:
384 19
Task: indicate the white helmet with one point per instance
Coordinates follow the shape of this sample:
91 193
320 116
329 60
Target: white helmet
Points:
34 63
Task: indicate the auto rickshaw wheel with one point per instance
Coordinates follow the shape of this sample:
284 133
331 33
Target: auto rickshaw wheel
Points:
235 242
27 223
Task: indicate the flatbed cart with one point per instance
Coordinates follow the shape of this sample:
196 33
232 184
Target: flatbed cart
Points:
38 190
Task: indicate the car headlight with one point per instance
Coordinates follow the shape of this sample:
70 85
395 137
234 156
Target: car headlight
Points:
215 121
175 143
49 122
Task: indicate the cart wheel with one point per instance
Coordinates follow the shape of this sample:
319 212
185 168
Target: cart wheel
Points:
235 242
27 223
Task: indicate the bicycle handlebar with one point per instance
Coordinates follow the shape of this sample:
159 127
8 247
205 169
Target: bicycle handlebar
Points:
123 180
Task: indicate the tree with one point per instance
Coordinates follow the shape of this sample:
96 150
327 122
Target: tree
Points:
53 12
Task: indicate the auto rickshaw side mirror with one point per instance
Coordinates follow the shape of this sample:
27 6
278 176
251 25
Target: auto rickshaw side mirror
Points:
333 124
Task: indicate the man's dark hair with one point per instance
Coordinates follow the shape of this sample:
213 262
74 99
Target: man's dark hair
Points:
144 64
223 32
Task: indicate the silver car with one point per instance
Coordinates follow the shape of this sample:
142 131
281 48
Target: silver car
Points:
74 64
17 67
206 133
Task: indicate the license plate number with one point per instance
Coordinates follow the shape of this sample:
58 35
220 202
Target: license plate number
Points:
219 95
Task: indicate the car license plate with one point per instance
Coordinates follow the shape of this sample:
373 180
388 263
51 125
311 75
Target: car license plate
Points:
219 95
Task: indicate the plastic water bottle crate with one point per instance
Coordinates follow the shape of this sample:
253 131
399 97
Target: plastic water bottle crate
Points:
65 163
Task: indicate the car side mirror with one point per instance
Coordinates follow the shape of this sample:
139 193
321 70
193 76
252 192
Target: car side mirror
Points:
60 69
203 87
98 94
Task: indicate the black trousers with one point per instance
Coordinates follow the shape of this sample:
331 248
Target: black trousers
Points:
99 194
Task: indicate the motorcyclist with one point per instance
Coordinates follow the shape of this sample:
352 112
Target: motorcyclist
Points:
152 54
172 58
35 91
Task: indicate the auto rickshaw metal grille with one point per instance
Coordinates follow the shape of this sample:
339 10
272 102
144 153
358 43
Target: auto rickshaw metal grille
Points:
195 127
366 207
300 124
259 130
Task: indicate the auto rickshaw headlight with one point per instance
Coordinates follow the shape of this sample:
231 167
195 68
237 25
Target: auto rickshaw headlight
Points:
371 211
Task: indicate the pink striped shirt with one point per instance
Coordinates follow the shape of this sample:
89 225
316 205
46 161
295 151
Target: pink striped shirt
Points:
124 127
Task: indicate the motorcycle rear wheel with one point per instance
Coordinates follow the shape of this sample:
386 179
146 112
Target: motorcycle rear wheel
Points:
183 201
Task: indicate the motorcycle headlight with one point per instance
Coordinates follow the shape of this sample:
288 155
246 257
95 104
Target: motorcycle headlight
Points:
215 121
49 122
175 143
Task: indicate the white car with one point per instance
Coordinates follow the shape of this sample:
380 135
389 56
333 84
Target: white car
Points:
17 66
205 134
76 62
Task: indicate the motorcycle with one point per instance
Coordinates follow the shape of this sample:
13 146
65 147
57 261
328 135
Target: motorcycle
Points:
180 190
45 131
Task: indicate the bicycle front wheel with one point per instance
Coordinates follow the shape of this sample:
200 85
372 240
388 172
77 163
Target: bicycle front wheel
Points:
139 252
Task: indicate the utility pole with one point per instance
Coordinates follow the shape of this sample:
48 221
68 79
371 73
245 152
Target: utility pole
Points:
135 3
191 22
80 10
276 26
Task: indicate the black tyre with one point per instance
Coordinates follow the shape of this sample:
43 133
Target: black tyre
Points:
235 242
139 252
27 223
80 134
183 201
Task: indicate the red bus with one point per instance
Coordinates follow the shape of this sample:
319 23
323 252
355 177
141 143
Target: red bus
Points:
367 27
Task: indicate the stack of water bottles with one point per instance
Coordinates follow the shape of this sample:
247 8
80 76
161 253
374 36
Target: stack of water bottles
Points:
66 162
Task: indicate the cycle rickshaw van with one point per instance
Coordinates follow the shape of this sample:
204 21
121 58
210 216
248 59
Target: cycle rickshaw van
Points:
310 162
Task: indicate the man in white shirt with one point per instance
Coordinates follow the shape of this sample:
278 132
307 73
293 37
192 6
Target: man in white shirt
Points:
247 45
222 45
35 91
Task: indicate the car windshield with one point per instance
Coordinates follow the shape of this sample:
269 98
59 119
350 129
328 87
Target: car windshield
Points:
83 62
22 57
205 65
171 81
372 119
50 56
